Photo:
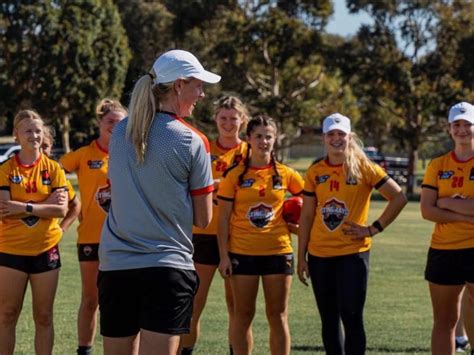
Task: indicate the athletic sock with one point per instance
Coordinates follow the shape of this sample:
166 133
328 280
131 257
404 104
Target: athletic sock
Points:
84 350
462 339
187 351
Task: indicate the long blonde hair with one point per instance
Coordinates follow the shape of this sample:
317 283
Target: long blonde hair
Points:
355 159
144 103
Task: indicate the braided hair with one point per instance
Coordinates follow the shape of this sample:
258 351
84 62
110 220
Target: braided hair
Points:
260 120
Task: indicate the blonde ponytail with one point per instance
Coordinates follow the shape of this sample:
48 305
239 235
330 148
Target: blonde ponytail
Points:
356 159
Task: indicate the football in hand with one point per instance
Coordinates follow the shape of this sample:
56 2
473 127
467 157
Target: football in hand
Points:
292 209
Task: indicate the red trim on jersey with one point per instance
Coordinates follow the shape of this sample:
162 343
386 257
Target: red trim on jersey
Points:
102 149
203 191
27 165
455 158
198 132
269 166
225 148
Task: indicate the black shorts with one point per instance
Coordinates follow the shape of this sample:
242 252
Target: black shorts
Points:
88 252
262 264
450 267
158 299
206 250
47 261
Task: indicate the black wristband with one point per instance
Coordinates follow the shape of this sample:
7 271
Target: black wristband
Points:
377 225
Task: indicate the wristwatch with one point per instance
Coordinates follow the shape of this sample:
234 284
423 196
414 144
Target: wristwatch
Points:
29 208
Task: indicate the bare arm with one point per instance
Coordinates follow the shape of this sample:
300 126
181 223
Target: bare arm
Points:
306 223
225 211
16 209
202 210
458 205
393 193
74 208
431 212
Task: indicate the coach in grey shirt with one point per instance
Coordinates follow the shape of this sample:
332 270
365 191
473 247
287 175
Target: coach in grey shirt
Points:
161 183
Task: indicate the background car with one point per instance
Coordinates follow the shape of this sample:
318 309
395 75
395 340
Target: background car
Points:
7 150
396 167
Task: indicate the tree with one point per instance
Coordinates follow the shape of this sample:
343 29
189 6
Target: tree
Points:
61 57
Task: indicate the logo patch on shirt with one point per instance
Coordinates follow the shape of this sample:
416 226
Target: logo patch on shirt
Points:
95 164
237 158
260 215
277 184
16 179
471 174
45 178
321 179
247 183
445 175
103 197
334 212
214 157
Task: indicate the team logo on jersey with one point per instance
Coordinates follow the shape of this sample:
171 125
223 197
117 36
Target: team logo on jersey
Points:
351 181
87 250
321 179
247 183
213 157
471 174
334 212
30 221
277 183
103 197
16 179
237 158
260 215
45 178
95 164
445 175
53 258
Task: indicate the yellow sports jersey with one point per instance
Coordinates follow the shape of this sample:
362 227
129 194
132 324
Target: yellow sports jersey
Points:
90 164
257 226
30 235
71 194
451 178
339 201
222 159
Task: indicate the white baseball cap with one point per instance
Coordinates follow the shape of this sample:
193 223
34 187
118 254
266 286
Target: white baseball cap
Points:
176 64
461 111
336 121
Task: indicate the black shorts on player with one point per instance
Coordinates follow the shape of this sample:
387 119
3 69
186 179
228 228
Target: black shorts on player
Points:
206 250
157 299
262 264
47 261
450 267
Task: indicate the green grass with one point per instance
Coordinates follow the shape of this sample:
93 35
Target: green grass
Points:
397 312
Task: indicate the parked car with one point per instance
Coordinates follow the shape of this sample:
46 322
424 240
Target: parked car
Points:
7 150
396 167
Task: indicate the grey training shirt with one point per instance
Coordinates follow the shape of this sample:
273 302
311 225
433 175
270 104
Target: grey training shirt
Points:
150 219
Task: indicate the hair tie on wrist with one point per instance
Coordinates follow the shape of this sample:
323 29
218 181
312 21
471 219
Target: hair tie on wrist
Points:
377 225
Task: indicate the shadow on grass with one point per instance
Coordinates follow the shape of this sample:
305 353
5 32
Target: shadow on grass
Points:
320 348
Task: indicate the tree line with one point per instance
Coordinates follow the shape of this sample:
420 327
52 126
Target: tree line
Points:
396 77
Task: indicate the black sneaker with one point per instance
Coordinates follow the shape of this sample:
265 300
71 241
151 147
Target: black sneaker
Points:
462 346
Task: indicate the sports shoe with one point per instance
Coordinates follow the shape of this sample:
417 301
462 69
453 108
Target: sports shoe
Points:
462 346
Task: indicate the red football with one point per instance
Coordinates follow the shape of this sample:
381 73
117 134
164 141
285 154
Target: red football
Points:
292 209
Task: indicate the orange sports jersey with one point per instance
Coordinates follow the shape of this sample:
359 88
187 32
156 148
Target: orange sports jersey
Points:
257 226
222 159
30 235
451 178
339 201
90 164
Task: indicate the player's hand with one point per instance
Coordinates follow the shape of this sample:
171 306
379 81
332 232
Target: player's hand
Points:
293 228
10 208
356 231
303 272
57 197
225 267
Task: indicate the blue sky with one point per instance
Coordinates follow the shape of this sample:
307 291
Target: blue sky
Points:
342 22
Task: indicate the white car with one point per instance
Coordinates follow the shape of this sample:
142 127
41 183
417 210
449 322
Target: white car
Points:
7 151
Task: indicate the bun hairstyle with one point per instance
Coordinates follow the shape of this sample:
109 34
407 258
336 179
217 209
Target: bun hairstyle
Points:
258 121
234 103
108 105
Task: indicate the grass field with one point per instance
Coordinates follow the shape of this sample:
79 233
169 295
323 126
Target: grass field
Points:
397 313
